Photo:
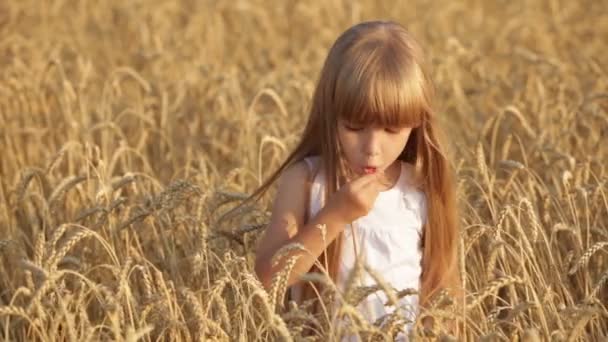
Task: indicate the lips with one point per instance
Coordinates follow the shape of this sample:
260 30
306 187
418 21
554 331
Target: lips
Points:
369 169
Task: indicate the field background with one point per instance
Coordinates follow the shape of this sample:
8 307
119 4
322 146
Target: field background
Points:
128 129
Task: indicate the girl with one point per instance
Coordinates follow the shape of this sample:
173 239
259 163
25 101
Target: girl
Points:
370 168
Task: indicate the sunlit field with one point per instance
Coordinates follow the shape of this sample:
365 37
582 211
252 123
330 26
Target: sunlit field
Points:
129 129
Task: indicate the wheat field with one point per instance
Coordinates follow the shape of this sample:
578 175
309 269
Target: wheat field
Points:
128 129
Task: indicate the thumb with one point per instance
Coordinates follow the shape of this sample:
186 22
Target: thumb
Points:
370 179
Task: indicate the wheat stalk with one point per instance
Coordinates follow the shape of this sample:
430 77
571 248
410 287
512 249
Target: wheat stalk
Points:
294 246
492 288
357 319
357 294
39 248
26 177
533 217
279 282
519 308
511 164
584 260
57 233
580 325
63 187
441 299
14 311
596 289
473 238
196 309
524 123
495 250
147 281
67 246
482 167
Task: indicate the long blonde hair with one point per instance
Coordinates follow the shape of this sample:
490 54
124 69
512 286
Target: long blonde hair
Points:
375 74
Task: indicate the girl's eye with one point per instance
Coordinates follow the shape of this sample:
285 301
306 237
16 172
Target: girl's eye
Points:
353 128
392 130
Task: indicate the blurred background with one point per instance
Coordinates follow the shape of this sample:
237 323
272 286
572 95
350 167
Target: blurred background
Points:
129 128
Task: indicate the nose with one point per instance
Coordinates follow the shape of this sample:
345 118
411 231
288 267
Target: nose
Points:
371 143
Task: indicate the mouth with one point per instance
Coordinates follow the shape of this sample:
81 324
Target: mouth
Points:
369 169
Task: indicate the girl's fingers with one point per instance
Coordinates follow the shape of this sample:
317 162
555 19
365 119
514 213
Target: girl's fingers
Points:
365 180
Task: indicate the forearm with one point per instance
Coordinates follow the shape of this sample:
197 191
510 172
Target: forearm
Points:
309 236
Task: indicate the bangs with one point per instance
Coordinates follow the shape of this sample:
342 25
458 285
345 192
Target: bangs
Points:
383 92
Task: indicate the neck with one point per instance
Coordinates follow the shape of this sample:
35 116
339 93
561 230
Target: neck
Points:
391 175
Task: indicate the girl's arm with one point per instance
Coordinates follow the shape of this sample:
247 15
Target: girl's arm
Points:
287 226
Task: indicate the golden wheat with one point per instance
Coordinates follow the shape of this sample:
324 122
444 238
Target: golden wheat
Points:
130 130
279 282
584 259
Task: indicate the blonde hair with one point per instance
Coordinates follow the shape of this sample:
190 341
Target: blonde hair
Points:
374 74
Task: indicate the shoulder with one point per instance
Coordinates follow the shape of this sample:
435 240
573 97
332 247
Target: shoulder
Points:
295 183
297 173
304 170
288 210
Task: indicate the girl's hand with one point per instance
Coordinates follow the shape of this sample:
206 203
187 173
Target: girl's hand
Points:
356 198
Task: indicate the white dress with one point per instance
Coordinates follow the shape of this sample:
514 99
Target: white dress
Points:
389 239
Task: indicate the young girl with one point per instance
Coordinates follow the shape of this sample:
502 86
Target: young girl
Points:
370 168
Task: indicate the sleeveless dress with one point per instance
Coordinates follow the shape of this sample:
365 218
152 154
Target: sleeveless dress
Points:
389 238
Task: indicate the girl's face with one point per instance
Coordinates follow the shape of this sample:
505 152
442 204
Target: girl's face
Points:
371 148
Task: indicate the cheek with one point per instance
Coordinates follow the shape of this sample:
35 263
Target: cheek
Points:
400 142
349 144
347 140
405 139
